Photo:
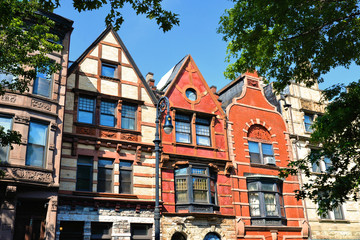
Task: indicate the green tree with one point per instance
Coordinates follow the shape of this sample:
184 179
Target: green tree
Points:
25 35
338 133
290 40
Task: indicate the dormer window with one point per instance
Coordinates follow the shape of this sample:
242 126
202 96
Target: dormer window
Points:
203 131
109 70
183 128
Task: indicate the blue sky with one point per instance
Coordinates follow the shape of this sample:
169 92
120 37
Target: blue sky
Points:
157 52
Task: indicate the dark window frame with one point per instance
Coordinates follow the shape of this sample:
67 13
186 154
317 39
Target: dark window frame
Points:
127 169
45 146
146 227
126 113
104 111
85 108
109 65
81 165
264 218
186 173
99 236
200 122
105 167
180 123
308 124
261 153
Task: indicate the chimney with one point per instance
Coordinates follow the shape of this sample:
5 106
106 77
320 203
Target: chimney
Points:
213 89
150 80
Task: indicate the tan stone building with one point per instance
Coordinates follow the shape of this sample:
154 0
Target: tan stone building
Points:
31 182
107 185
301 109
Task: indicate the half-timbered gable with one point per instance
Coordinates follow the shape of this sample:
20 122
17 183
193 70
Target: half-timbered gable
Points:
107 162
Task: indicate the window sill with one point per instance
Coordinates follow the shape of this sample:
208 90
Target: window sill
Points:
81 124
264 166
109 78
196 208
192 145
333 221
103 194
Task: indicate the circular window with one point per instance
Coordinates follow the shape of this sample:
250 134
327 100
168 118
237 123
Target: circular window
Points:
191 94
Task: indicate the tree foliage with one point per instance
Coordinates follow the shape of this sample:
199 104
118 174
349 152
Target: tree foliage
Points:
338 133
26 39
289 39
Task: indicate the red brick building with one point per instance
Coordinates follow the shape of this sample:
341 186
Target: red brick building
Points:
196 187
265 205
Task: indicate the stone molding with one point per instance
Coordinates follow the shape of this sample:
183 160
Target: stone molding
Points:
21 174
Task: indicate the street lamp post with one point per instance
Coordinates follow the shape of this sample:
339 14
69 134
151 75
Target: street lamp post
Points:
162 105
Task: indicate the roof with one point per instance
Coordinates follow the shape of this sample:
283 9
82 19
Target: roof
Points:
165 81
131 60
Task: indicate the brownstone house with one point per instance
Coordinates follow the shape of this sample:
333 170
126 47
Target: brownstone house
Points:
195 165
107 186
30 187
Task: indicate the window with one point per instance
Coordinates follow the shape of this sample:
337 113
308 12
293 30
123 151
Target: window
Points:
86 110
261 153
84 174
266 202
6 123
195 185
105 175
125 177
42 83
183 128
336 214
101 230
178 236
107 114
141 231
316 167
212 236
109 70
203 131
128 116
36 147
191 94
308 121
322 166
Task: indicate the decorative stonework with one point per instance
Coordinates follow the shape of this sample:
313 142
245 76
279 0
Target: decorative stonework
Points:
107 134
40 104
253 83
54 126
259 132
8 98
311 106
22 119
85 130
129 137
28 175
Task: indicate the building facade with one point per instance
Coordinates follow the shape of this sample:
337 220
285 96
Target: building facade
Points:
195 167
265 205
303 106
107 167
29 189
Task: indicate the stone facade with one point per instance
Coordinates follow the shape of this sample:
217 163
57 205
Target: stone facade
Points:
29 189
107 170
265 205
195 159
304 104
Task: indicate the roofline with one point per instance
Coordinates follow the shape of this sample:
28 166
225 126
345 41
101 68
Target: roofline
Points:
230 84
131 60
169 85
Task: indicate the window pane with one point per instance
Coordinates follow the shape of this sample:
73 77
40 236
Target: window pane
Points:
254 147
316 167
328 163
5 122
308 121
200 189
198 171
255 158
268 187
35 155
270 204
267 149
86 110
37 133
125 181
84 178
105 170
253 186
181 190
108 70
182 128
101 230
202 140
107 116
107 120
338 214
183 138
180 171
86 117
254 204
212 191
42 84
128 116
125 164
203 131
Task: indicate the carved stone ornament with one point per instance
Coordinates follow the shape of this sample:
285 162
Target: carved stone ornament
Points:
108 134
259 132
22 119
253 83
129 137
40 104
8 98
311 106
54 126
85 130
28 175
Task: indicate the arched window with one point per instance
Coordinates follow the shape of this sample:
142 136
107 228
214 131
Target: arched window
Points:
178 236
260 146
212 236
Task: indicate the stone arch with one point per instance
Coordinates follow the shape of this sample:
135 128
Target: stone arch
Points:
178 236
179 228
215 230
212 236
258 131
